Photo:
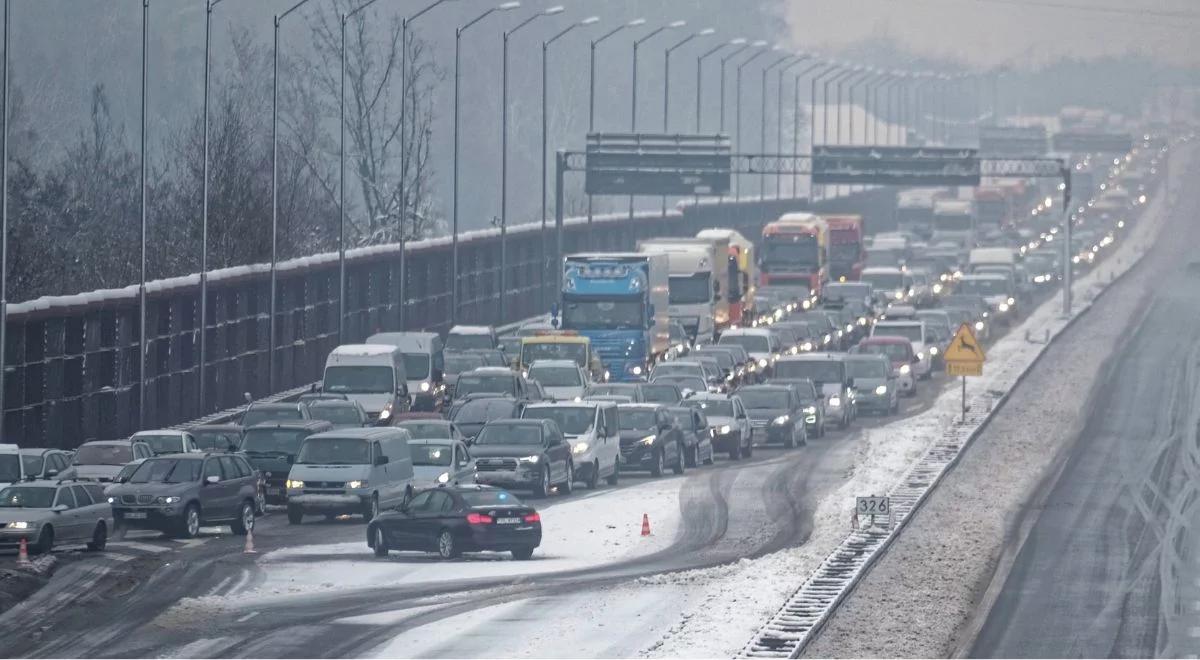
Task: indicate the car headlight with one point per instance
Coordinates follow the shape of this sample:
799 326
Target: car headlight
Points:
443 477
862 320
933 350
579 448
807 346
1003 307
425 386
762 362
168 499
921 355
725 429
531 459
904 368
295 484
849 327
648 440
607 375
636 370
386 413
782 419
835 401
899 295
810 410
881 390
828 339
937 288
1011 302
979 325
356 484
18 525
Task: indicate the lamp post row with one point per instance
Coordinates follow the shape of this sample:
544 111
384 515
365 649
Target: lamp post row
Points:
874 81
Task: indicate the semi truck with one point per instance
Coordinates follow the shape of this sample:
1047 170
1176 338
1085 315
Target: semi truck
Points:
914 210
619 302
793 254
743 273
698 281
954 221
846 254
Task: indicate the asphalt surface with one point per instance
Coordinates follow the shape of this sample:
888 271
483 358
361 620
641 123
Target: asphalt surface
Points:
119 603
1111 566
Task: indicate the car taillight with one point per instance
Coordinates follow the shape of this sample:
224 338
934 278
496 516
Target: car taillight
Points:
479 519
533 518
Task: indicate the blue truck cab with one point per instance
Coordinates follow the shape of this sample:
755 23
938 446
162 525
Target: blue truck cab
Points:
619 301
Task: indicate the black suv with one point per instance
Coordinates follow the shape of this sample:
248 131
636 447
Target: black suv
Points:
523 453
272 448
178 493
776 413
649 439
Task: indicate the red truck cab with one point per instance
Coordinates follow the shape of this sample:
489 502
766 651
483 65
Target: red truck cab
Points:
846 253
793 253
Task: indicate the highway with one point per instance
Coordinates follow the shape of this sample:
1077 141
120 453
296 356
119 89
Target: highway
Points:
1111 567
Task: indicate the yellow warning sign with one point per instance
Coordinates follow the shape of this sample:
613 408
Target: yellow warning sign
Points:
964 356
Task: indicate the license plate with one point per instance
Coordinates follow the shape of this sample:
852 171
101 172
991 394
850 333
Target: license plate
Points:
274 491
136 515
508 521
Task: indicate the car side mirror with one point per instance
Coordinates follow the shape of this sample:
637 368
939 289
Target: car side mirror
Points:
247 397
850 382
916 360
291 459
59 508
122 480
52 473
381 460
212 479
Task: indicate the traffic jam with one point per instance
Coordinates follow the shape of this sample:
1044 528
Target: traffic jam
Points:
687 353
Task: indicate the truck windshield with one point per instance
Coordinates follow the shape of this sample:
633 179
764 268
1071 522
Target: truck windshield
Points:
914 217
272 441
690 289
359 380
884 281
573 420
844 253
952 222
335 451
824 371
610 314
531 351
416 366
792 252
982 287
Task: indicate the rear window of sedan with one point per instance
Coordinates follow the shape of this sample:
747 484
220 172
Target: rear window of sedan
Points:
167 470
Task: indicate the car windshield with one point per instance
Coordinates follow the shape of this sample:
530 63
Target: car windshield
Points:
627 389
677 369
33 464
909 332
867 368
531 351
260 414
635 419
335 451
492 357
682 419
483 410
163 444
752 343
581 314
572 420
494 383
423 430
725 360
464 342
711 407
456 364
10 468
818 371
103 455
660 393
475 498
556 376
884 281
340 414
690 289
167 470
273 441
881 258
216 440
684 382
359 380
982 287
846 290
510 434
416 366
27 497
764 398
895 352
431 454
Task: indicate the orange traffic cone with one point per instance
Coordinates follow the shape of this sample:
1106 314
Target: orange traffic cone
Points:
23 555
249 549
645 524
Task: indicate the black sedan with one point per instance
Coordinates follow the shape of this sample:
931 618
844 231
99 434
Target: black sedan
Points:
451 520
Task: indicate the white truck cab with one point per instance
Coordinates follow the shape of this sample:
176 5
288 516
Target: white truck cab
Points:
695 285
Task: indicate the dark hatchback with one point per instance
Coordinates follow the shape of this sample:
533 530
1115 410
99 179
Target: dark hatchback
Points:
776 414
271 448
649 439
451 520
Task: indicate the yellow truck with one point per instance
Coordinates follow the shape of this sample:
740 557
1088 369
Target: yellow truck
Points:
560 345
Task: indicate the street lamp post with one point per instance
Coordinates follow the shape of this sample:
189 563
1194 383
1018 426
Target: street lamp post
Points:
203 324
796 120
849 75
742 45
3 217
667 72
592 87
700 78
865 75
633 97
762 119
546 267
799 59
502 299
143 345
737 105
507 6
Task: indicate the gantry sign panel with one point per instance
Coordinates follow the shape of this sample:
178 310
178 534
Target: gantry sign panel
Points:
653 164
895 166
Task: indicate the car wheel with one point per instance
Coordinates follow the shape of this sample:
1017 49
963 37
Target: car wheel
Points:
295 515
45 542
693 457
522 554
371 509
712 455
616 474
790 441
659 466
379 542
99 538
189 524
245 519
447 548
593 481
543 487
680 459
803 442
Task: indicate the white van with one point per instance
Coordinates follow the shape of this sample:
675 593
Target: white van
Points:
591 429
423 365
371 374
350 471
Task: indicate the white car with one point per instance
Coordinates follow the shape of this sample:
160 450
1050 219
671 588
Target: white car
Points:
914 331
564 380
591 428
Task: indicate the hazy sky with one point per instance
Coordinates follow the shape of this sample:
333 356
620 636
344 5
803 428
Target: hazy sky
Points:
1015 33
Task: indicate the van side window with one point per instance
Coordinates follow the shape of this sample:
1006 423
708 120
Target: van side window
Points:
377 449
610 420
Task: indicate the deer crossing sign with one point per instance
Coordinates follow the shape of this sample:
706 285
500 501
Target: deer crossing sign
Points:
964 356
